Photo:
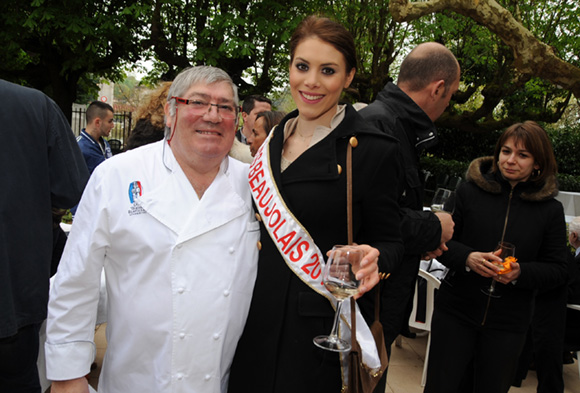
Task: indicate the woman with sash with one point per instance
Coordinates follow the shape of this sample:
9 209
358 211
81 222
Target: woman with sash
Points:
298 181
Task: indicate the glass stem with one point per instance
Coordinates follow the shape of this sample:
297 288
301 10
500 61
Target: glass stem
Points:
336 319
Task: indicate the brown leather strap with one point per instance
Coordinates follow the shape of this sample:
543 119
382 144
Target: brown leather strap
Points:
352 319
350 235
377 301
349 191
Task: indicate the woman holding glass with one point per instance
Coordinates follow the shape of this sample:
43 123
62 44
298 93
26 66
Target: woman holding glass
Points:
306 158
481 316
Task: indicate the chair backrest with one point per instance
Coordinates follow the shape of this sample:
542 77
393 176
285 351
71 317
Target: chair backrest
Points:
454 182
432 284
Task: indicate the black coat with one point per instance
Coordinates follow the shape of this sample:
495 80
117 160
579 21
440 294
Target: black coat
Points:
276 352
574 280
398 115
535 226
42 168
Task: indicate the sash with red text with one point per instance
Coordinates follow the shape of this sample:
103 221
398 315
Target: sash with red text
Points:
300 252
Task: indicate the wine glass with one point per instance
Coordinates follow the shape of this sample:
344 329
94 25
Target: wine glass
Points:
443 201
340 281
503 250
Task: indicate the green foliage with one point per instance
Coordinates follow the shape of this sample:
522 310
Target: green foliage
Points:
464 146
566 144
568 182
53 45
438 166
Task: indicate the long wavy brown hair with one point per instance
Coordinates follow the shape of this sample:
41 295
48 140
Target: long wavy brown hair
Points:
153 107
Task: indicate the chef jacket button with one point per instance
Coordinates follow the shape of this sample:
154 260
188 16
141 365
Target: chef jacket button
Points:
207 377
259 245
226 293
353 141
258 217
231 250
339 169
180 290
182 335
179 376
216 336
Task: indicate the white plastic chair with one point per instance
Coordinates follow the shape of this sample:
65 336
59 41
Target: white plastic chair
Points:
576 307
432 284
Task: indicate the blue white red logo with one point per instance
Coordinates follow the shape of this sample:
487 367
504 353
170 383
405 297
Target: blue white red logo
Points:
135 191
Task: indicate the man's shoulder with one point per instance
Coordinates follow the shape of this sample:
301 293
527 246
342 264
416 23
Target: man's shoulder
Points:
84 139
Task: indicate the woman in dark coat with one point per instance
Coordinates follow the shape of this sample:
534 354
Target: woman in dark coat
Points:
307 156
508 197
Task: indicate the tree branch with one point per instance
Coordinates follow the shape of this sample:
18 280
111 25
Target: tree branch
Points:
531 56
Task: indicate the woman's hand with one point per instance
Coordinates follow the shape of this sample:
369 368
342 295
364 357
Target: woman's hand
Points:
479 262
368 271
508 277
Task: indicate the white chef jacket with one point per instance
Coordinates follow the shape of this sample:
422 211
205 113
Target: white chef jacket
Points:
179 276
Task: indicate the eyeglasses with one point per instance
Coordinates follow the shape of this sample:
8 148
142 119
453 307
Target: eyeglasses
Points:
200 107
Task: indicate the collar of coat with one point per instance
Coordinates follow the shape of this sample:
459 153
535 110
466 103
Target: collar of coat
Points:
353 124
479 172
319 162
420 130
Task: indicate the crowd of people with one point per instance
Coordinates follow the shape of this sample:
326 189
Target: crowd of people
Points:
212 237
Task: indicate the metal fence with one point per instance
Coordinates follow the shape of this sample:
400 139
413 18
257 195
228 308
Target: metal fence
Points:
123 126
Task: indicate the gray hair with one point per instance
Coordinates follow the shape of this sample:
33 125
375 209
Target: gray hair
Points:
574 226
193 75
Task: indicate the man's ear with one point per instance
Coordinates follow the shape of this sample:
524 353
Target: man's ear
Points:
236 124
437 89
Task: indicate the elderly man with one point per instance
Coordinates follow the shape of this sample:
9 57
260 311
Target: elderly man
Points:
172 225
428 77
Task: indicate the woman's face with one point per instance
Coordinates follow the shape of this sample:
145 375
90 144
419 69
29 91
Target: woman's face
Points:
515 162
317 77
258 136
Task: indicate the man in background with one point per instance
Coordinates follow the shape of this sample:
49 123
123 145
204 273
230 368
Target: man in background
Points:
91 140
251 106
42 170
428 77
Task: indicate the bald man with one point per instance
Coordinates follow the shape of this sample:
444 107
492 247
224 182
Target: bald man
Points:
428 78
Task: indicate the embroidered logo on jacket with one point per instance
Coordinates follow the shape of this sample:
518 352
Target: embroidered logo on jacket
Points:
135 192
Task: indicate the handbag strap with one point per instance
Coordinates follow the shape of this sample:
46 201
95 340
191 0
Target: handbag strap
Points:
353 142
349 188
350 230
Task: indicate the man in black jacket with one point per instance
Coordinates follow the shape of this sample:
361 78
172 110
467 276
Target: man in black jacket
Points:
43 171
428 78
